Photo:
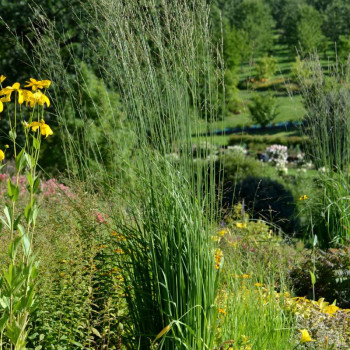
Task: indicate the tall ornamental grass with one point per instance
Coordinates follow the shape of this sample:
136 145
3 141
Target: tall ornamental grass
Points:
158 56
326 97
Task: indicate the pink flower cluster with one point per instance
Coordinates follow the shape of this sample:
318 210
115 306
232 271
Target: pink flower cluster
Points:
52 188
49 188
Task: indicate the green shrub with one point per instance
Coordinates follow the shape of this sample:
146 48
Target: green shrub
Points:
266 199
263 109
236 166
332 275
266 67
260 142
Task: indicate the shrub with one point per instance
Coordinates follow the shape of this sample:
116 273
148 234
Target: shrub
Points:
237 166
255 142
277 155
266 199
332 275
266 67
263 109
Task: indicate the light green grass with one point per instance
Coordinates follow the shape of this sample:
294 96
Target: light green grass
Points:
290 109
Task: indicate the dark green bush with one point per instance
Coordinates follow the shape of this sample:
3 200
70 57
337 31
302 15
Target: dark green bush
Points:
238 166
263 109
265 199
332 276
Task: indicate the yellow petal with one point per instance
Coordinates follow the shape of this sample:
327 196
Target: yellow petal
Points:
2 155
46 100
46 83
2 78
46 130
1 106
20 97
16 86
305 336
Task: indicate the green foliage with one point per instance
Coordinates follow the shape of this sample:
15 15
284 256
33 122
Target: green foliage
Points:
263 109
337 19
332 270
301 69
262 141
266 67
302 27
309 30
19 18
237 166
267 199
326 101
344 48
254 17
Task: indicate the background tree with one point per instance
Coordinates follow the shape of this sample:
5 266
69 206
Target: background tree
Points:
254 17
337 19
263 109
302 27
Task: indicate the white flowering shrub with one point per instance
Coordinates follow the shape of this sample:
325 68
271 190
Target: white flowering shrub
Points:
237 149
277 155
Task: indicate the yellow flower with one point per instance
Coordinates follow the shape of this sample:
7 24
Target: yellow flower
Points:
1 106
36 98
218 256
303 197
305 336
45 130
222 232
241 225
38 84
2 78
330 309
8 90
2 155
222 311
257 284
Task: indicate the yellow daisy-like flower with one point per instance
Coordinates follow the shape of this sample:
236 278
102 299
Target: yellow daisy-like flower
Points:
8 90
45 129
2 78
303 197
38 84
2 155
330 309
35 98
305 336
218 257
241 225
222 311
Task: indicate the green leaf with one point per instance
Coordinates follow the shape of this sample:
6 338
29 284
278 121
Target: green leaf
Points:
13 134
36 184
30 160
36 143
8 214
26 244
13 247
20 160
313 278
30 179
15 225
12 191
28 212
96 332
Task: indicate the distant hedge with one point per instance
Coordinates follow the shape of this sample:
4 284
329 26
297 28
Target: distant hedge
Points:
266 140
